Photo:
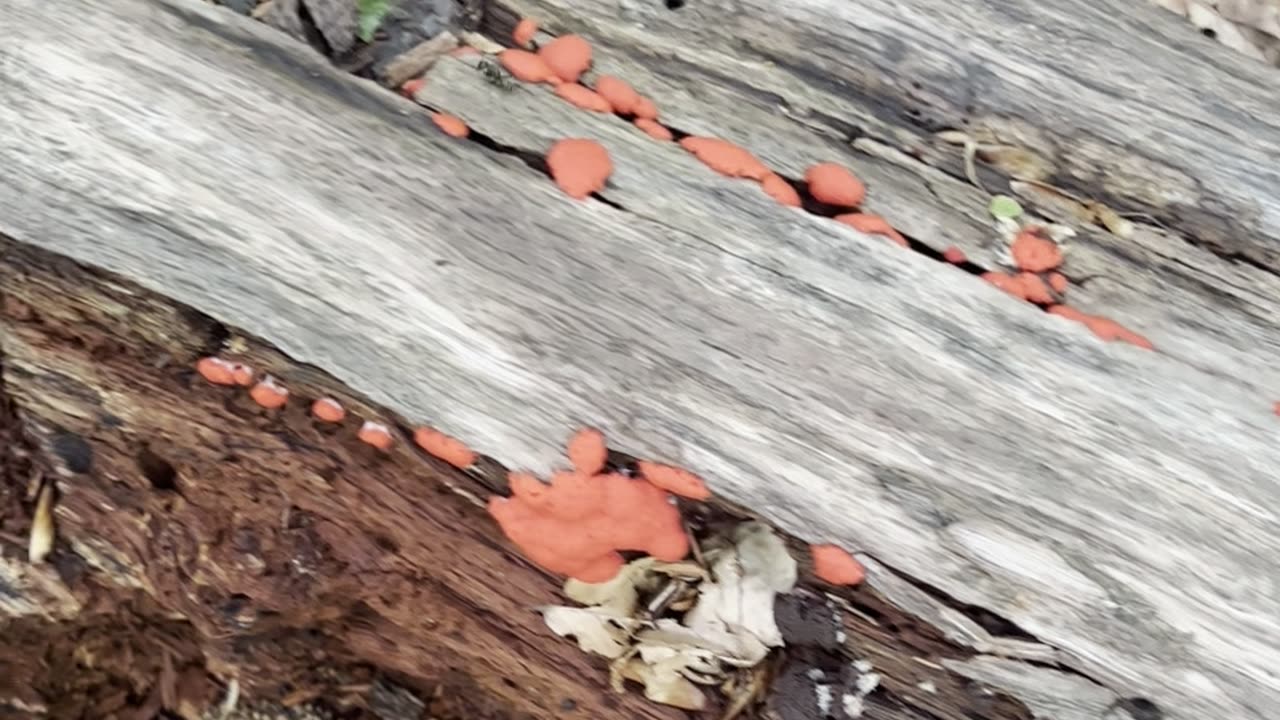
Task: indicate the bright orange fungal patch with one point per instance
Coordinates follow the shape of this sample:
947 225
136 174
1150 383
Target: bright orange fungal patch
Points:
674 480
450 125
527 67
269 394
833 564
872 224
619 93
1034 253
448 449
654 129
781 190
375 434
587 451
568 56
579 166
328 410
834 185
524 32
726 158
583 97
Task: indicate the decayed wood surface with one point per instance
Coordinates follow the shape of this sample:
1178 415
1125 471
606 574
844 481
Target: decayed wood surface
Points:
1113 503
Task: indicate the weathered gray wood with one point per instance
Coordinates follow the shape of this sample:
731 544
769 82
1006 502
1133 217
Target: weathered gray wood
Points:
793 75
1066 80
1114 503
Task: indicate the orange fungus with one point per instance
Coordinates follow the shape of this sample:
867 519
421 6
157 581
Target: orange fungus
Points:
1104 328
375 434
674 480
568 56
1034 253
524 32
216 370
726 158
451 125
619 93
872 225
1058 282
328 410
269 394
645 108
526 66
580 167
654 129
587 451
834 185
448 449
583 97
954 255
835 565
781 190
411 87
577 524
242 374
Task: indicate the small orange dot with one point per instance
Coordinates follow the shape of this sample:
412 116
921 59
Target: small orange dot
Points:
954 255
411 87
216 370
328 410
524 32
452 126
375 434
268 394
835 565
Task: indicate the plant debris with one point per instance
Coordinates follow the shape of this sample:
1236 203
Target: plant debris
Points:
674 627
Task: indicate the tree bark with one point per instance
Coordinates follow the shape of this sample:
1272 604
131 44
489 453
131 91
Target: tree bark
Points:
1063 518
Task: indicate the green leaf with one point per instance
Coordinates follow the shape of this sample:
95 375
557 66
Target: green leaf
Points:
1004 207
369 15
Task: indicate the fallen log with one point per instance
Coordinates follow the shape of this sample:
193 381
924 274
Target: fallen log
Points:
1052 525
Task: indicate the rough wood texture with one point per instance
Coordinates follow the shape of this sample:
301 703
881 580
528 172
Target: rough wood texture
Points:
1114 504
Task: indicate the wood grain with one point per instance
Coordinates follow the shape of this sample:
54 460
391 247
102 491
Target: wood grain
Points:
1116 504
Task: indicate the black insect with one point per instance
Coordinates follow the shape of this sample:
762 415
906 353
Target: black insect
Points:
494 74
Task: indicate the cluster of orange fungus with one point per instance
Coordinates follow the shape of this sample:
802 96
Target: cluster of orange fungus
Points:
450 125
224 372
328 410
619 93
954 255
583 97
269 394
524 32
1105 329
568 56
654 129
1033 253
449 449
872 225
1024 286
527 67
781 190
375 434
726 158
835 565
578 523
579 166
834 185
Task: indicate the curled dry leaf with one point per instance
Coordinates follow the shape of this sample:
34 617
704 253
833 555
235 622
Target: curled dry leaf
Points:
745 579
597 631
664 683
